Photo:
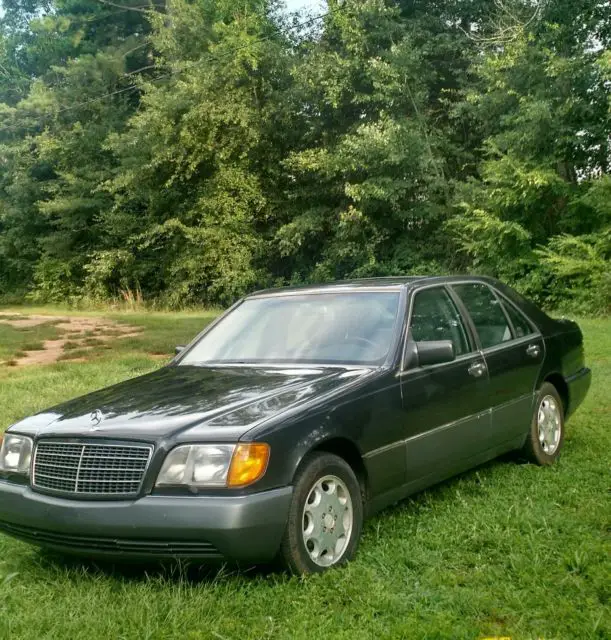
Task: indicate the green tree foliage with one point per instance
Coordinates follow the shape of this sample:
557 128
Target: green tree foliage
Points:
541 100
188 185
196 149
62 57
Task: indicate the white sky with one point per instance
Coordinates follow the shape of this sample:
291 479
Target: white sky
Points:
296 5
291 5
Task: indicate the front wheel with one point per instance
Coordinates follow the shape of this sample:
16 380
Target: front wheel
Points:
546 433
325 518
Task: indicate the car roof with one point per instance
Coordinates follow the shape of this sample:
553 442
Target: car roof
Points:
388 282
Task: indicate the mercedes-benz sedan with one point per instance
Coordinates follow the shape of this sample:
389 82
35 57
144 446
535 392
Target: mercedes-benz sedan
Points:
291 418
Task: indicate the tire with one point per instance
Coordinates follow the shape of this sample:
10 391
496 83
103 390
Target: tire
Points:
325 518
546 434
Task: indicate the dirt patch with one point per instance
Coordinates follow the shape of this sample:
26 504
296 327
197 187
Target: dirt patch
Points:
77 332
26 322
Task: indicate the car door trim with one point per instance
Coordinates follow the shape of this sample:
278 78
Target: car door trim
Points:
383 449
507 403
448 425
466 317
418 436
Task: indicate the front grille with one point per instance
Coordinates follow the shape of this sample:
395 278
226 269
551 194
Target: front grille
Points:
86 469
114 546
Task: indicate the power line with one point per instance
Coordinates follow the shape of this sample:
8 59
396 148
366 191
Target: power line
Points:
145 8
208 58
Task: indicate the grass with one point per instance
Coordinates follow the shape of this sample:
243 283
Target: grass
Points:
14 341
505 550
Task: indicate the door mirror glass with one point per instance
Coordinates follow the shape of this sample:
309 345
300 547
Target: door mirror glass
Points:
435 352
179 348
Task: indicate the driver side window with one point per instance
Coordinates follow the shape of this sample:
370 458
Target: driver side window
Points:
435 317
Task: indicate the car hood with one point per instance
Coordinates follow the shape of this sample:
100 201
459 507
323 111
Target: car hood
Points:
216 403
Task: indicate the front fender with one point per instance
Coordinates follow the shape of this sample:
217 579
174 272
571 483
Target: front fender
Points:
294 442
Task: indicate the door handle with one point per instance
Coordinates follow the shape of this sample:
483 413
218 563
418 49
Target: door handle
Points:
477 369
533 350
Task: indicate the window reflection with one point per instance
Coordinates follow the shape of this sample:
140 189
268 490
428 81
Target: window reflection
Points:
347 327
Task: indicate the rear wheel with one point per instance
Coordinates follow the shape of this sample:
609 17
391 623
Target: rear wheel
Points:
546 434
326 516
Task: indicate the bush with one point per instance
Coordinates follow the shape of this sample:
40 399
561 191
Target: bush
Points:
581 272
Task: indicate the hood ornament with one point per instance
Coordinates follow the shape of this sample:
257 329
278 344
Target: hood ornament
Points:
96 418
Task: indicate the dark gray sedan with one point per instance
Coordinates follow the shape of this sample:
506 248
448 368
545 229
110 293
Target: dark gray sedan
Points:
295 415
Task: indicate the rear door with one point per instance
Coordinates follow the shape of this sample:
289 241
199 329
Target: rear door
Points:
445 406
513 349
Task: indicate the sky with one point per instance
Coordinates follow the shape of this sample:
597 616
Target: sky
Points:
296 5
291 5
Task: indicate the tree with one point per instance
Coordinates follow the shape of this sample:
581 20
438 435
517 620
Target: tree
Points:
542 104
188 187
54 127
196 149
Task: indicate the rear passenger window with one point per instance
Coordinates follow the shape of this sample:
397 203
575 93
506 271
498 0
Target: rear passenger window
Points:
520 324
486 312
435 317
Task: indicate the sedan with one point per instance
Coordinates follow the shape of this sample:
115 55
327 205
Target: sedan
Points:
291 418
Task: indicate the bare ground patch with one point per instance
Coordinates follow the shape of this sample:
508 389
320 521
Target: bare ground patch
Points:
75 334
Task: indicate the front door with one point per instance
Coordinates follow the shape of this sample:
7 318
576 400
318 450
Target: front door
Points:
446 408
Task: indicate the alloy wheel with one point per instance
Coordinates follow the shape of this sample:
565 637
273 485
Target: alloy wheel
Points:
327 521
549 424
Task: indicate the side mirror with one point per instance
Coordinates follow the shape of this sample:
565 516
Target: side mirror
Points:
435 352
179 348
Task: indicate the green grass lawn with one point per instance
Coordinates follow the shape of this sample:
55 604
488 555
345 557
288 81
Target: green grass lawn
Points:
505 550
14 342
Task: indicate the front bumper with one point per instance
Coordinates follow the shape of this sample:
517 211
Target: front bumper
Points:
248 528
578 385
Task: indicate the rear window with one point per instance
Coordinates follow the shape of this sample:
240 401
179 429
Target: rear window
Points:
521 326
486 312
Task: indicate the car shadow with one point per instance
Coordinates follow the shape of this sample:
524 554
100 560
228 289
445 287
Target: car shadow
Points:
420 500
196 573
186 571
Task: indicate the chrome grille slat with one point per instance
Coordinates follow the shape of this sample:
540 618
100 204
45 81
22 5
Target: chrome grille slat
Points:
88 468
47 475
118 458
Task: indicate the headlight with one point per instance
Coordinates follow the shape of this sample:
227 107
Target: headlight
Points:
15 454
214 465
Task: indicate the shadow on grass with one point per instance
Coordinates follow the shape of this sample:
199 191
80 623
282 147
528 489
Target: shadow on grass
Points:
474 477
193 572
196 572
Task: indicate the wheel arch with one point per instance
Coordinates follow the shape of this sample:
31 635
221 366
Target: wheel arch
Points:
557 380
346 449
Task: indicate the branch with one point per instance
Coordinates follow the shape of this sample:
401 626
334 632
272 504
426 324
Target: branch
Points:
505 34
141 9
138 46
149 66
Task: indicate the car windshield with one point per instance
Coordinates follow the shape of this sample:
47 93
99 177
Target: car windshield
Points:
315 328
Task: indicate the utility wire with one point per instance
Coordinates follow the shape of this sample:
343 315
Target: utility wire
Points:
145 8
169 74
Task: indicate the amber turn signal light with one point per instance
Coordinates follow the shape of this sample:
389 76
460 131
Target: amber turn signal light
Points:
248 464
